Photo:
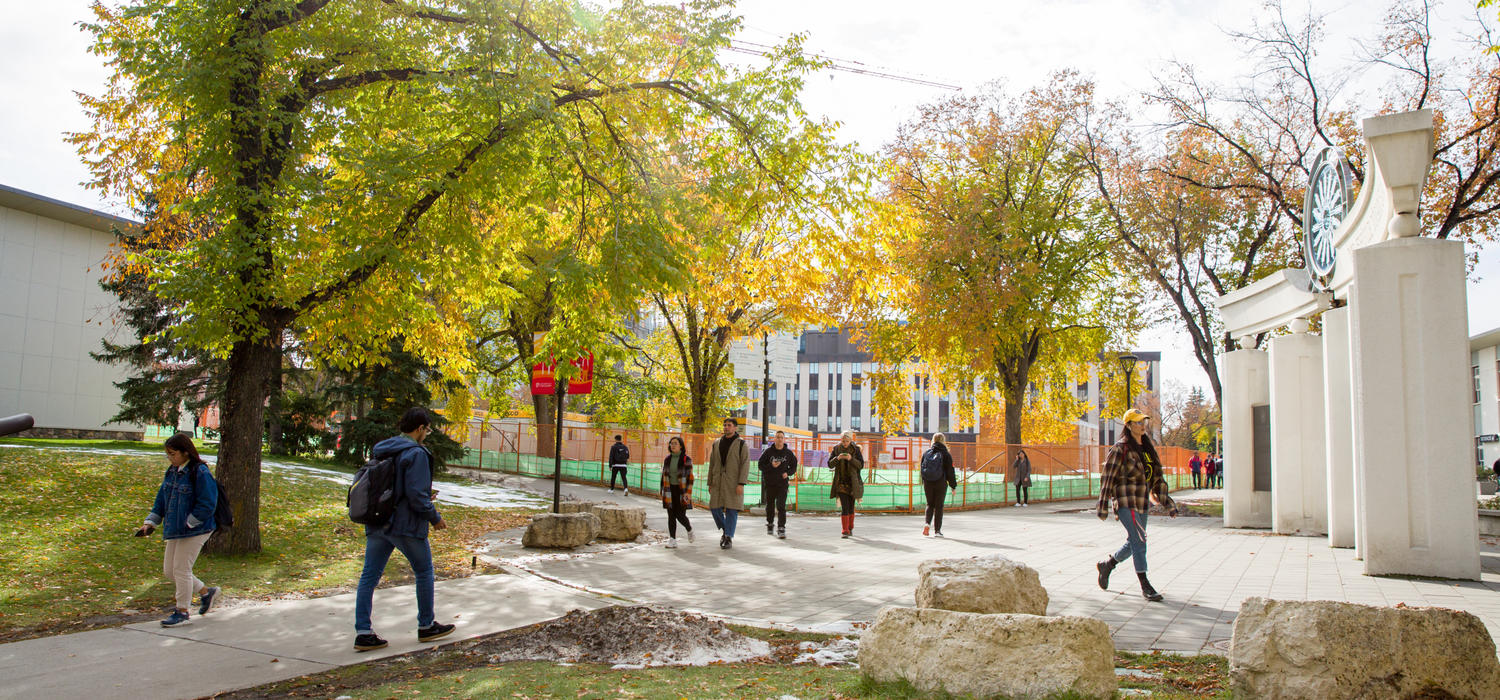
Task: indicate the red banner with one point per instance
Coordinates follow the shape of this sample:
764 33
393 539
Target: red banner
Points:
544 377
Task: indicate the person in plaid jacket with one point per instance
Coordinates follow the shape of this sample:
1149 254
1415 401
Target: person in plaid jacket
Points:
1132 475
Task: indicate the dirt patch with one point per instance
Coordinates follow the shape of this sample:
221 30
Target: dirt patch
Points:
626 636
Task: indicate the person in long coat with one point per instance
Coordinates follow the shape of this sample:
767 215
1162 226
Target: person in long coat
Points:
728 472
677 489
1020 473
848 485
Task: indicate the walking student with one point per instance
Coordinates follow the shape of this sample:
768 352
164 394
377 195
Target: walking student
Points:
619 464
1020 471
1132 475
1196 465
406 531
1211 471
677 489
778 464
728 472
184 509
848 486
937 477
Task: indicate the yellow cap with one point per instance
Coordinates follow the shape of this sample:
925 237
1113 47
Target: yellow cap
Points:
1134 415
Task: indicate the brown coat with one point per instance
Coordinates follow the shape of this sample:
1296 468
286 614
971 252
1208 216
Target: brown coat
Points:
725 475
846 472
687 482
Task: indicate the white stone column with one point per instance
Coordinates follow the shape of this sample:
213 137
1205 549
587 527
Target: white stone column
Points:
1246 385
1299 474
1338 406
1412 417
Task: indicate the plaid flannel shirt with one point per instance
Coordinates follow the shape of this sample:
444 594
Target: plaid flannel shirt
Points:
1129 481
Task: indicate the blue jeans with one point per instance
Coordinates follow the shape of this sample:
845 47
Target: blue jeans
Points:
1135 538
725 518
378 548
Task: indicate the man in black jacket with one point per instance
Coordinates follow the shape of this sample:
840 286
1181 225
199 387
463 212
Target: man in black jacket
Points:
778 463
619 460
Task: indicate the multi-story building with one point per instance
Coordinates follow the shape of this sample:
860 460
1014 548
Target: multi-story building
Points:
1484 362
1097 428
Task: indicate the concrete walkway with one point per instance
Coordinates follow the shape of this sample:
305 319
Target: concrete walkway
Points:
815 578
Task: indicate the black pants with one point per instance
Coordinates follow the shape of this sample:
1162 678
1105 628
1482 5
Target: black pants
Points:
775 500
1198 480
677 512
1023 494
936 492
846 504
618 472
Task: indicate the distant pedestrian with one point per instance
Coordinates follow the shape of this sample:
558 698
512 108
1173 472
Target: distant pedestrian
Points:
677 489
937 477
619 464
1020 471
778 464
1132 474
848 485
1211 470
1196 465
184 509
405 531
728 472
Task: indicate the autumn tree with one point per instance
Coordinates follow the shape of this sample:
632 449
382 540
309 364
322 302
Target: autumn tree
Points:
354 156
989 272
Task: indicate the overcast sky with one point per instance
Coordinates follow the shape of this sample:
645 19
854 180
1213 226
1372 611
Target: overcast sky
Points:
1120 44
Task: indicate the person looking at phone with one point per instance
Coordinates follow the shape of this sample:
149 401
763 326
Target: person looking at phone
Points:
778 464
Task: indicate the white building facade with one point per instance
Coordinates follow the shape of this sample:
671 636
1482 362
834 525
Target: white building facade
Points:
53 314
1484 359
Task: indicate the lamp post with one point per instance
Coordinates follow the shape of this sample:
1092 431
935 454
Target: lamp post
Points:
1127 364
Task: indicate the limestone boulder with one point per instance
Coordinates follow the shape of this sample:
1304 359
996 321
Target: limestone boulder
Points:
987 584
1330 650
561 530
1013 656
576 507
622 523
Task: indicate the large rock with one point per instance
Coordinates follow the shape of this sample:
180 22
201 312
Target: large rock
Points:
576 506
561 530
987 584
620 522
1328 650
1013 656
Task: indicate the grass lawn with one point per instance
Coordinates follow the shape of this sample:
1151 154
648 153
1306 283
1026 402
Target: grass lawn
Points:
1212 509
461 672
71 562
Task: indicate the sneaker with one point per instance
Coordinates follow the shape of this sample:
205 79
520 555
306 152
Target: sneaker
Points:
436 630
625 491
937 534
926 530
672 543
366 642
770 530
690 536
206 601
780 533
178 618
1015 505
1025 505
611 490
844 536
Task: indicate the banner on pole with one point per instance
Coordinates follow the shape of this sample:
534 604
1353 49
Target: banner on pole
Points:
544 377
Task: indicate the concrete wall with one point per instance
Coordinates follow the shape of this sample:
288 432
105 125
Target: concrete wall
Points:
52 314
1246 385
1299 475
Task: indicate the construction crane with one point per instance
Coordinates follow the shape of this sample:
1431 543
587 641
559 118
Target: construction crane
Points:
856 67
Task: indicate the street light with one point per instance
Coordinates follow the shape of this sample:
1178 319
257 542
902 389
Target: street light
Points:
1127 364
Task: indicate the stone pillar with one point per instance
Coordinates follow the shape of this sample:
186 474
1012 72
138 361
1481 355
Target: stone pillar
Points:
1338 405
1299 476
1413 400
1246 385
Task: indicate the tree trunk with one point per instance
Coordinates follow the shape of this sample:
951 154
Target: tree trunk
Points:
242 420
274 442
545 424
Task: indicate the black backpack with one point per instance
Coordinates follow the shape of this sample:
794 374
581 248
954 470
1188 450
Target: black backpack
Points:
223 511
932 465
373 495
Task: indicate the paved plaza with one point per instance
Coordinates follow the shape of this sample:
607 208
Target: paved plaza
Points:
813 579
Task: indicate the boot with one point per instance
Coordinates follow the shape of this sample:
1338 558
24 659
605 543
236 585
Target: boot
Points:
1146 589
1105 568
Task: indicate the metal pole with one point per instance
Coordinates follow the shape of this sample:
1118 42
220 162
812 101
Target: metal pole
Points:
765 394
562 392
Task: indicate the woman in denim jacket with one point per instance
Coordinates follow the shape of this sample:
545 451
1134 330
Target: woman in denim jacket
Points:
184 509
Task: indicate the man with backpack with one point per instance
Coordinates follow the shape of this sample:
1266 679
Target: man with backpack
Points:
778 463
937 477
404 528
619 463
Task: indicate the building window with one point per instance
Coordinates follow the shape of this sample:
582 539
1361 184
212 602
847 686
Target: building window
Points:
838 367
812 394
812 424
1476 383
838 394
855 368
856 393
854 422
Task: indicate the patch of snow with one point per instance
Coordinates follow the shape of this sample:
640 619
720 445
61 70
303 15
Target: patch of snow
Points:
1137 673
840 651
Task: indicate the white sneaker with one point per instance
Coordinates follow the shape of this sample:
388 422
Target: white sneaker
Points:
690 536
672 543
627 492
1025 505
611 490
1015 505
937 534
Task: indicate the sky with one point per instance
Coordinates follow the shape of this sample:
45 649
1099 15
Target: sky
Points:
1120 44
